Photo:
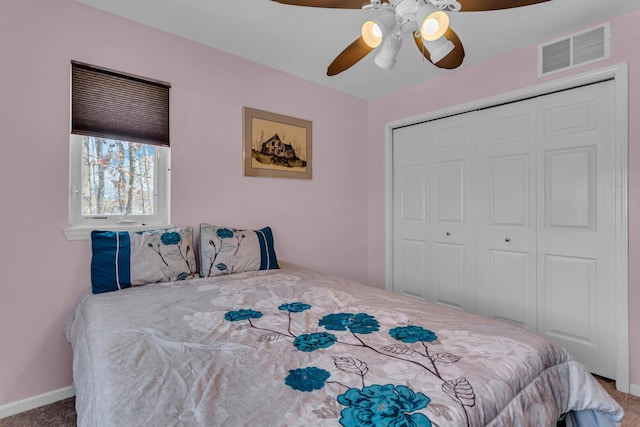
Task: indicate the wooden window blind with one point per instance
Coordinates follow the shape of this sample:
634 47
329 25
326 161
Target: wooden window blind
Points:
115 105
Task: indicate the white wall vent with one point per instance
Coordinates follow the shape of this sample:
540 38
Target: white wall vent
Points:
578 49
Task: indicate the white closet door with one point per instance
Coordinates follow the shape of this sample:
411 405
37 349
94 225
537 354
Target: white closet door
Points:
576 239
510 212
452 223
434 236
410 215
506 210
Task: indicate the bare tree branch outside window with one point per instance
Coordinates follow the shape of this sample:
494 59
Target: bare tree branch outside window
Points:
118 177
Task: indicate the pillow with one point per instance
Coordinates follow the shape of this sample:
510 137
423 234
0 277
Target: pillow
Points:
225 250
121 259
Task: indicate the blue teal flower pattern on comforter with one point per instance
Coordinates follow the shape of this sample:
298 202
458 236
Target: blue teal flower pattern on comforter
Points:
385 405
173 357
307 379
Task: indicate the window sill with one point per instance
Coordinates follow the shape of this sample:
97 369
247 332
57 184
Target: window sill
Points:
84 233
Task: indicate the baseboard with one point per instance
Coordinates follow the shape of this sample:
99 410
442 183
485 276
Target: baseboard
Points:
634 389
35 401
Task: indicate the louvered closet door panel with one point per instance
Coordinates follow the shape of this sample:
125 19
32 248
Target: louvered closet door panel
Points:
452 237
506 213
411 218
576 207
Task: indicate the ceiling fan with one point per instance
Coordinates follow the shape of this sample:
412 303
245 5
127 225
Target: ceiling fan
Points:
426 20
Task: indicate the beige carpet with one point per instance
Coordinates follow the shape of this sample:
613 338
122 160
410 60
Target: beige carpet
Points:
631 404
63 414
58 414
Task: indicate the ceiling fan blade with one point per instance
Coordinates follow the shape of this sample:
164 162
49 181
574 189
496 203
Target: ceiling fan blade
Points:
337 4
484 5
349 56
453 59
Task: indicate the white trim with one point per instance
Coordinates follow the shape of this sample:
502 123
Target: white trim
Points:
35 401
619 73
84 233
634 389
622 227
388 192
516 95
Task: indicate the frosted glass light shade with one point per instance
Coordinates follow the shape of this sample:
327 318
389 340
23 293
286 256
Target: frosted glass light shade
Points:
371 34
377 29
434 25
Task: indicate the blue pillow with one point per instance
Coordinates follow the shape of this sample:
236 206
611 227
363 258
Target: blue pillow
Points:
226 250
121 259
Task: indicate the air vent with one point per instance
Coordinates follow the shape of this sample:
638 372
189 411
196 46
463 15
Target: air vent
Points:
578 49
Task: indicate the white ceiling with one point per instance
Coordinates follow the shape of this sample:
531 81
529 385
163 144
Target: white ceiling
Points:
303 41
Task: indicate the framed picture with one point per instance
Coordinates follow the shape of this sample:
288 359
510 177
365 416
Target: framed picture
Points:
276 145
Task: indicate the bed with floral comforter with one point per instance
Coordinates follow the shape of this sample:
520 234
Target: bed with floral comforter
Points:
292 347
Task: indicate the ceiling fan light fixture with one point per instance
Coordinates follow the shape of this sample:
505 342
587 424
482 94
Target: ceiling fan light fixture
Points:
439 48
377 29
386 57
371 34
433 24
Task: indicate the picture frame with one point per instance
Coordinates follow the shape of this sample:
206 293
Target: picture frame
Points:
276 145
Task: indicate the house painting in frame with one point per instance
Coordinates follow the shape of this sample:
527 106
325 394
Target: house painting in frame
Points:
276 145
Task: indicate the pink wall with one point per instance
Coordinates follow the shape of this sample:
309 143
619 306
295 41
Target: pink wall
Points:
316 223
504 74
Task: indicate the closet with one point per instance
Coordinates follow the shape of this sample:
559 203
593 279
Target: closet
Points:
509 212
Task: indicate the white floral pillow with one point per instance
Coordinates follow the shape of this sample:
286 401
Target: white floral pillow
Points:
122 259
226 250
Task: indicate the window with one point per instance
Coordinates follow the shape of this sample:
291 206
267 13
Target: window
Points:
119 152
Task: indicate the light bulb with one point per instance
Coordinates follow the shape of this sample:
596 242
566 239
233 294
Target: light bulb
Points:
371 34
376 31
429 27
434 25
378 28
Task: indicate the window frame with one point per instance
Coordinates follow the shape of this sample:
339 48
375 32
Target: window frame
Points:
80 226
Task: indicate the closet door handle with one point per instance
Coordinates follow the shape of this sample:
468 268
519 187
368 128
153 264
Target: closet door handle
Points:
448 233
506 239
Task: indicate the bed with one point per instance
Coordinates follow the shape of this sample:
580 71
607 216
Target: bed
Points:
293 347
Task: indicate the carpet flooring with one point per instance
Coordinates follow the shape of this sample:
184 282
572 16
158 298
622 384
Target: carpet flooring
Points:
63 413
630 403
57 414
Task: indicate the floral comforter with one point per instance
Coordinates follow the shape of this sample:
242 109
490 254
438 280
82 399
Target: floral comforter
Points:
292 347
